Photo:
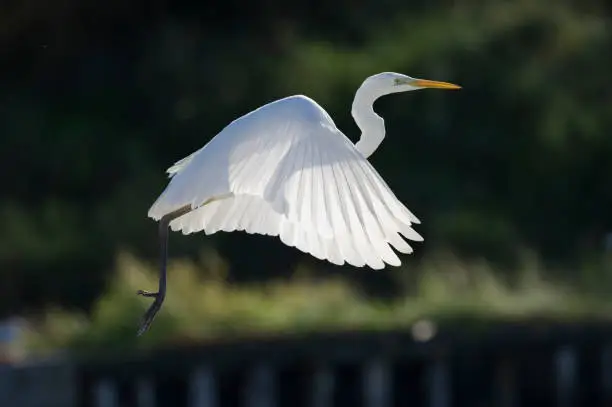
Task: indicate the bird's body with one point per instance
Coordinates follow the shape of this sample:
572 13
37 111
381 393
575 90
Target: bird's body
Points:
286 170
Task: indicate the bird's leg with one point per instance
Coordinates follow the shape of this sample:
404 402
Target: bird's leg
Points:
145 293
161 292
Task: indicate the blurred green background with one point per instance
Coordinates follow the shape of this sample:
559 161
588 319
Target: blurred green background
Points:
509 176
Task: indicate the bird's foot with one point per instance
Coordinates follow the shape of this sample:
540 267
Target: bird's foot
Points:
148 317
145 293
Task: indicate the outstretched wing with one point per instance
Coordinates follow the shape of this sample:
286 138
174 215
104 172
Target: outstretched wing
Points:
286 170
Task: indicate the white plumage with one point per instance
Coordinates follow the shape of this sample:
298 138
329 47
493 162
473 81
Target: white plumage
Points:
286 170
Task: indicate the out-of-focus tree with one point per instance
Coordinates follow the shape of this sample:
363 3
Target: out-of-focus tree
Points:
98 98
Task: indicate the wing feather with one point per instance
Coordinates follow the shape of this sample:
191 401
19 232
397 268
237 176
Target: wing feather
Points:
370 220
285 170
384 214
336 212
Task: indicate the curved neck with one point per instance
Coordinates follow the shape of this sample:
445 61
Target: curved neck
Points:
372 126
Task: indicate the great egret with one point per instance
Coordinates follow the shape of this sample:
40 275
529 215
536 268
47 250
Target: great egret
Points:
286 170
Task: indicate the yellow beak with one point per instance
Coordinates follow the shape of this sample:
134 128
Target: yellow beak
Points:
424 83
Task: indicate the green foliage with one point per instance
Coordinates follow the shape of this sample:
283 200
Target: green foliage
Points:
518 159
208 307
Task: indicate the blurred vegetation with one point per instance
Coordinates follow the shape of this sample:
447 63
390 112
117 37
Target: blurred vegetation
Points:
98 98
201 305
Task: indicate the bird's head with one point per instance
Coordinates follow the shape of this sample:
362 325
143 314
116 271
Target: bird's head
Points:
391 82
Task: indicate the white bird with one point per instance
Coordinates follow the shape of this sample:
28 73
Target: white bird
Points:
286 170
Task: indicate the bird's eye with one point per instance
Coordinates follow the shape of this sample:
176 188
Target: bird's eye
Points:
397 81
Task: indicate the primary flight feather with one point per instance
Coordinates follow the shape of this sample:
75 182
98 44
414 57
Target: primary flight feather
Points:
286 170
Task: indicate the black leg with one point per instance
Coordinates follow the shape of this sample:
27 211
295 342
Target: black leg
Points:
160 295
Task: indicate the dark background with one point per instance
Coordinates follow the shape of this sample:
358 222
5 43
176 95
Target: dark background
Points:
98 98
